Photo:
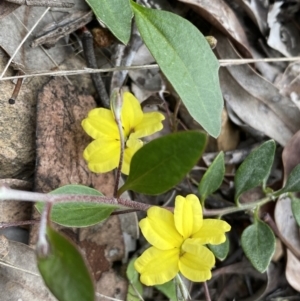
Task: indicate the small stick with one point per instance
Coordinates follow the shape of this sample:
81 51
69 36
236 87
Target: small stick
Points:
17 89
4 225
88 49
206 291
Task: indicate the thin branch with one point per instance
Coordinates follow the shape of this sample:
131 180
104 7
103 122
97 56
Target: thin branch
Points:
12 194
223 63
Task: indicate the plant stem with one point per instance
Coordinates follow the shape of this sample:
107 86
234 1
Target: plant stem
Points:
206 291
12 194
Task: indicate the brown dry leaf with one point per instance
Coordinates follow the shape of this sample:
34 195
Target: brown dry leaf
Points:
221 16
290 155
289 229
289 83
19 276
13 30
256 101
257 10
6 8
292 273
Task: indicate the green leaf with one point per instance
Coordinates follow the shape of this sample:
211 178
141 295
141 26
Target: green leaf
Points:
78 214
168 289
135 288
64 270
116 15
213 177
292 183
220 251
258 243
163 162
296 209
186 59
255 169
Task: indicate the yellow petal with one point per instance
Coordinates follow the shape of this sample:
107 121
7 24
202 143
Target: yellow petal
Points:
100 123
187 215
102 155
150 124
133 145
197 262
212 232
159 229
132 113
157 266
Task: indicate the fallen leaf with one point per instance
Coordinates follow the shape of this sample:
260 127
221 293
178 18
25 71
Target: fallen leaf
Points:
290 155
221 16
256 101
288 228
19 276
14 28
6 8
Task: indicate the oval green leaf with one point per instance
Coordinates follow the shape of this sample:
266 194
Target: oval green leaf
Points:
135 287
78 214
168 289
255 169
163 162
64 270
258 243
292 183
186 59
116 15
220 251
212 178
296 209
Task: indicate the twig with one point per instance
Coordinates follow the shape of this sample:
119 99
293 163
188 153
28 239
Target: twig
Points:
206 291
223 63
23 41
4 225
88 49
12 194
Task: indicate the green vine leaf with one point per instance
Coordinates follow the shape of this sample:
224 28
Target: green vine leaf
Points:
116 15
135 288
258 243
64 270
163 162
220 251
212 178
296 209
255 169
293 182
78 214
185 57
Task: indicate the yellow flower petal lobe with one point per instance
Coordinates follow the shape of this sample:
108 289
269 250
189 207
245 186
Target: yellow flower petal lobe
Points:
132 113
212 232
102 155
133 145
100 123
187 215
150 124
159 229
157 266
197 261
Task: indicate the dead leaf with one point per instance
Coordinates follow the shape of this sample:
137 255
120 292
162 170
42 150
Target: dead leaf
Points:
256 101
13 30
290 155
289 229
221 16
19 276
257 10
292 270
6 8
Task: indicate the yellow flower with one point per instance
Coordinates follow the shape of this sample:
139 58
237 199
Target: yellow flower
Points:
103 154
177 242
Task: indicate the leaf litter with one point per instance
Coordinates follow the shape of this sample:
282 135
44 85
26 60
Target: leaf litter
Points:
262 102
